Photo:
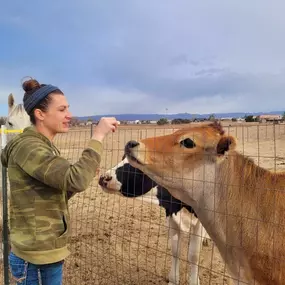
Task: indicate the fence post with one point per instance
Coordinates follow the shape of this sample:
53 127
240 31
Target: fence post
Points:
5 236
91 130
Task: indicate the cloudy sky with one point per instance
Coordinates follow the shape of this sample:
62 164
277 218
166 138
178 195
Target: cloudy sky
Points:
140 56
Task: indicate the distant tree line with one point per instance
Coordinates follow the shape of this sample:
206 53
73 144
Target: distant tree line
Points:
162 121
180 121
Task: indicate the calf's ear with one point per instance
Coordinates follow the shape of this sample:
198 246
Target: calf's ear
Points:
225 144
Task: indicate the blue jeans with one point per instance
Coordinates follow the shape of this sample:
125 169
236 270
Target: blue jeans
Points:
25 273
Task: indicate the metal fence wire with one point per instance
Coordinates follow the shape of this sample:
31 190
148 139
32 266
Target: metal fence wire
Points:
117 239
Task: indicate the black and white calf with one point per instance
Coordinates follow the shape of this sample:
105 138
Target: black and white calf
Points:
128 181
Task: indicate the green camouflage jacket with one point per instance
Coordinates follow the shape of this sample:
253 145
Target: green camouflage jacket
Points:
40 181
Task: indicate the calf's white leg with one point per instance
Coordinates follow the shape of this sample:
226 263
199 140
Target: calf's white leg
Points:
175 250
196 239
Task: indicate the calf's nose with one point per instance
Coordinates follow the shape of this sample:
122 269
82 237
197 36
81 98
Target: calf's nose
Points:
130 145
103 180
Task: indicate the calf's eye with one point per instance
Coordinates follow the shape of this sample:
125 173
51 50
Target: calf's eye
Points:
188 143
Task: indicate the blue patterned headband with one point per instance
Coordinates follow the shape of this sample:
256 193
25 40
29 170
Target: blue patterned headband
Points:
37 96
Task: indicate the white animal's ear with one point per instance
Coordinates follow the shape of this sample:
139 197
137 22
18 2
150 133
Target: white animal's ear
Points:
11 101
225 144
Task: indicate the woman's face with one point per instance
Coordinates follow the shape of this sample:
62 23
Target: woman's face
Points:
57 117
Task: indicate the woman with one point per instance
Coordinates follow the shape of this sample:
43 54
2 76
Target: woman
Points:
40 184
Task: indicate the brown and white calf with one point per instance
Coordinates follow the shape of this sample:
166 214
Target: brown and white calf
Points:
241 205
125 180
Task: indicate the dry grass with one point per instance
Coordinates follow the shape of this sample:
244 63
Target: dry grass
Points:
117 240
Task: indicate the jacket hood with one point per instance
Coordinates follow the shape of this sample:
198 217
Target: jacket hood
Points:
29 132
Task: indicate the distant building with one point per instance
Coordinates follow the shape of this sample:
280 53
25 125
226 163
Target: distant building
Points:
226 119
269 118
136 122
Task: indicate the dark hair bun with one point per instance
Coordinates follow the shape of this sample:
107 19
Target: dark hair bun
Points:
30 85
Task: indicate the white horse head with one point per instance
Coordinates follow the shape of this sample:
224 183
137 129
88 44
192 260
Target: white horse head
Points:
17 118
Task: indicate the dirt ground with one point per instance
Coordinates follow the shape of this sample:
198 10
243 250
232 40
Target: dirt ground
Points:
118 240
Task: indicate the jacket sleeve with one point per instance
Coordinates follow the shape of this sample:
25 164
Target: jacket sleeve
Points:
3 160
39 161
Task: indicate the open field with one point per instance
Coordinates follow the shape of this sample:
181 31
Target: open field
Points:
116 240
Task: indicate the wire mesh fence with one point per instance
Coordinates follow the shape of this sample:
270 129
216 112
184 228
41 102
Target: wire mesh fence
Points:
123 240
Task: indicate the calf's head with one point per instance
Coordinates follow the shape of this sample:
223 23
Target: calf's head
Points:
126 180
173 160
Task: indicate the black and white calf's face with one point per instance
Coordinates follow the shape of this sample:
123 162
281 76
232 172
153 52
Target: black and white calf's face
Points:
126 180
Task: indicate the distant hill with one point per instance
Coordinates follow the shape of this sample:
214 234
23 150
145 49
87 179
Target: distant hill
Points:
155 117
